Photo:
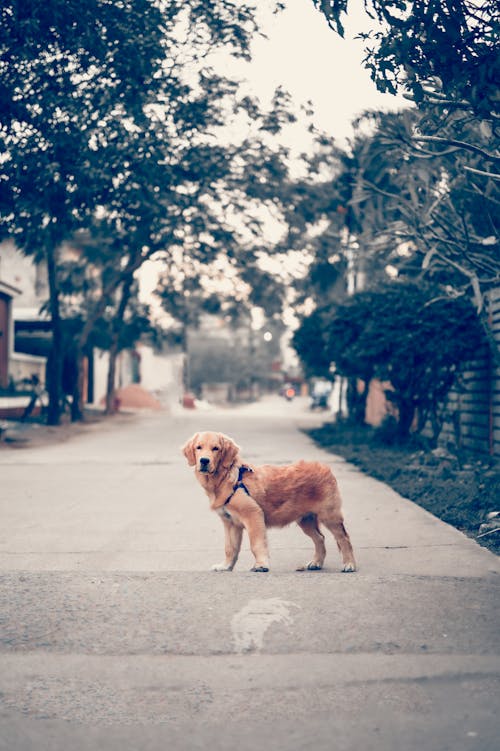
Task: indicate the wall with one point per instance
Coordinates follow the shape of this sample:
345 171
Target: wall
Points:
495 384
473 409
472 412
160 373
24 366
30 279
5 303
377 405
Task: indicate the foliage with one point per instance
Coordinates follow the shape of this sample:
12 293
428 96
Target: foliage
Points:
218 361
445 53
430 178
136 325
310 343
75 83
108 122
391 207
228 286
421 211
407 334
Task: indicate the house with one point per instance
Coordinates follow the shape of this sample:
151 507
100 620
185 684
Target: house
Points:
7 293
30 328
27 333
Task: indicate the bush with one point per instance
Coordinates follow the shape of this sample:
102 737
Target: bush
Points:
411 335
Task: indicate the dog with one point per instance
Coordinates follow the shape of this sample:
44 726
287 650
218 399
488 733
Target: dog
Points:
253 498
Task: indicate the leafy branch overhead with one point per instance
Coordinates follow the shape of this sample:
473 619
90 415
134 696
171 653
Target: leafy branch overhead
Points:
109 134
445 53
424 211
424 183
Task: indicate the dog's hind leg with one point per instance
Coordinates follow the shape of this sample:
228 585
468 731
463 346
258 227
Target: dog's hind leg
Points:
335 524
309 525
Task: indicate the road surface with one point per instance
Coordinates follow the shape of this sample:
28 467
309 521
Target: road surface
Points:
115 634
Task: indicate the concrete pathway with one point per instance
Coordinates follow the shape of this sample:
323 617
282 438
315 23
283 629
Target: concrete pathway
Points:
114 634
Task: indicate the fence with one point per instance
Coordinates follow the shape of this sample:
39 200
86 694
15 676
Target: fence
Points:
473 409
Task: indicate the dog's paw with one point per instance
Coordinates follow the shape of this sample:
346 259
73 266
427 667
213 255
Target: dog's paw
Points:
348 568
259 569
310 567
221 567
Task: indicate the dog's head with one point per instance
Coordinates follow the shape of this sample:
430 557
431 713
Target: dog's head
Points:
207 452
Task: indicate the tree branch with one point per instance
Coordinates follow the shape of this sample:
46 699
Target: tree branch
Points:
492 175
459 145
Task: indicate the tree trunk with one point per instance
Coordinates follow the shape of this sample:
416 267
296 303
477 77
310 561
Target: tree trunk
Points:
55 359
111 406
406 415
77 391
356 400
126 278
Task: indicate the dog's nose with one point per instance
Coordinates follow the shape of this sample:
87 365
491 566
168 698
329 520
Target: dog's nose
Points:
204 462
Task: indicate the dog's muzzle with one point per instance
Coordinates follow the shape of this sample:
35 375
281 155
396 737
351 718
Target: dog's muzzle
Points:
204 464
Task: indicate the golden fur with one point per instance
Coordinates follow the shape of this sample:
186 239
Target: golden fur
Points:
305 492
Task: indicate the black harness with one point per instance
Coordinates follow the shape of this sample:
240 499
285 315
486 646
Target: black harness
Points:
240 483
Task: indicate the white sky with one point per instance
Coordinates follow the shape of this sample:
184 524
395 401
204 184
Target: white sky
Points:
313 63
308 59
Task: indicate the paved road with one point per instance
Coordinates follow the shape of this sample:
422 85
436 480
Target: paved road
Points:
115 635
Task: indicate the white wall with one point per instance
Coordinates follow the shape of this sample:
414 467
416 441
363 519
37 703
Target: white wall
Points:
23 366
20 271
160 373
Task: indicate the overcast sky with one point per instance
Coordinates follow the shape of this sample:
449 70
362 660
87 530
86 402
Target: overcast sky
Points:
313 62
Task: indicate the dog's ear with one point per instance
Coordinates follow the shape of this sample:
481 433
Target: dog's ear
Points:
229 450
188 450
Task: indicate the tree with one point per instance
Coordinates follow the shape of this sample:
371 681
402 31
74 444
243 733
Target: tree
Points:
410 335
445 160
445 53
310 342
421 212
391 206
87 93
130 323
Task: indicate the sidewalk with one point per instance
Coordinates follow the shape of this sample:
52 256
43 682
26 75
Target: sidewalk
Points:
115 634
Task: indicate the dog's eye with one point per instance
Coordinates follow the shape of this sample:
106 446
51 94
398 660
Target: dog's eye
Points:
198 448
215 448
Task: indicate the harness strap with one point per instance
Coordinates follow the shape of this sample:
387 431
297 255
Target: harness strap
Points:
240 483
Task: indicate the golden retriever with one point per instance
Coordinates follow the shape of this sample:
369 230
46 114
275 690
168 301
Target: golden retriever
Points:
253 498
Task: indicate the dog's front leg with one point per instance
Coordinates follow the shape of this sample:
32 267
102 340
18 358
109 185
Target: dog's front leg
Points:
232 535
252 517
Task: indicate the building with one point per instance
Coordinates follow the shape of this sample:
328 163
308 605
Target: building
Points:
25 342
7 293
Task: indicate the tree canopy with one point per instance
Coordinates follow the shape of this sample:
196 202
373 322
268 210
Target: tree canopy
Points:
445 52
109 124
428 179
409 335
